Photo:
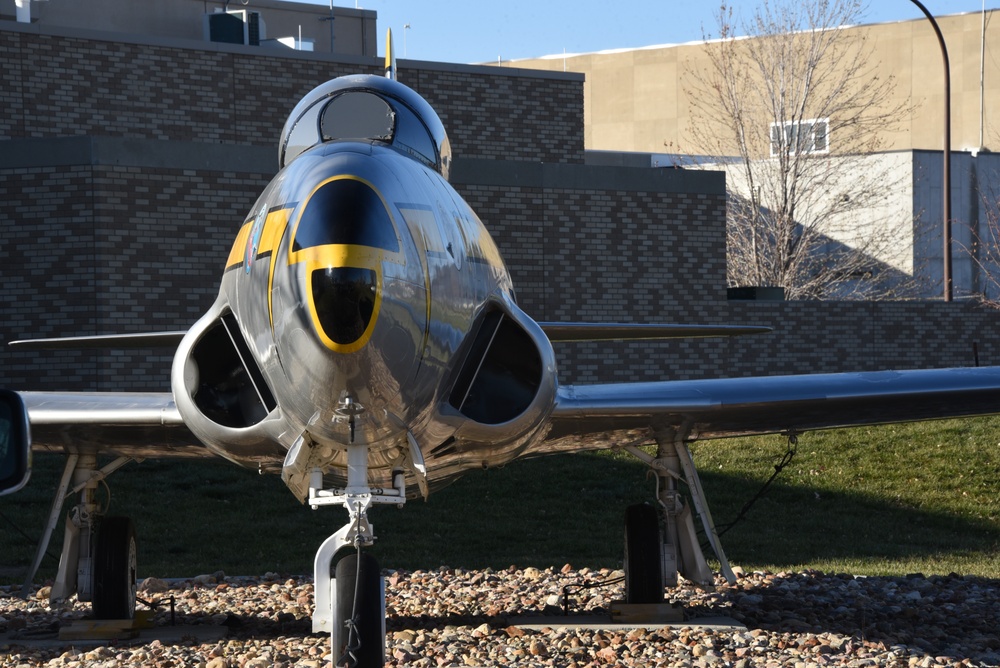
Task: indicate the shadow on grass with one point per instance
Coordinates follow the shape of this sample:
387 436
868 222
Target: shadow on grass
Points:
198 518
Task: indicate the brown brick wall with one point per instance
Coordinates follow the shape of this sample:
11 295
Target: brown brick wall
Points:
56 86
590 255
104 247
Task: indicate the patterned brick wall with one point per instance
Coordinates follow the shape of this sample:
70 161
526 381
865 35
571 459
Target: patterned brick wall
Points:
591 255
506 117
602 255
55 86
104 247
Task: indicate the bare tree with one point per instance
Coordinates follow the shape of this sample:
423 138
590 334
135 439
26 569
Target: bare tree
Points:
797 107
979 241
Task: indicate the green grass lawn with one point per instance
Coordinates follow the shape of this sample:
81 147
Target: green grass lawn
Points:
887 500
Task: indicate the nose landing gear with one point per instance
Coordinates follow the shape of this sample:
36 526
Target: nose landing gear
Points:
350 605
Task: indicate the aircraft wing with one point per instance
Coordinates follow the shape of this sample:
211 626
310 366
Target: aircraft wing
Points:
128 424
590 417
559 332
108 341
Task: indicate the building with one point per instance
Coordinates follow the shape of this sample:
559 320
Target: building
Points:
129 160
642 100
637 99
265 23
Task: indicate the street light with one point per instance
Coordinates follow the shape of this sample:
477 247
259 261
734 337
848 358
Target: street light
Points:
406 26
947 152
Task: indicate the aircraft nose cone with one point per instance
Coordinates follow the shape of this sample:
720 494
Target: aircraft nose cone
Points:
346 302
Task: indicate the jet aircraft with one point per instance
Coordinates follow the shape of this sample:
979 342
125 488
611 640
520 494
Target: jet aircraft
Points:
367 346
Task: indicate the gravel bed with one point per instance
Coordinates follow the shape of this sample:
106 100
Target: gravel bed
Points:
452 617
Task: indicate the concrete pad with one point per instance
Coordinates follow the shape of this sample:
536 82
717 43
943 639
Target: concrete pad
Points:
608 623
168 635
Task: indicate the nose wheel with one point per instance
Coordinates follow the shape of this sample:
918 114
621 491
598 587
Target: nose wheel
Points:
359 612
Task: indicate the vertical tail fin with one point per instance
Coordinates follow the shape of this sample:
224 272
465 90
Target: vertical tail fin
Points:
390 56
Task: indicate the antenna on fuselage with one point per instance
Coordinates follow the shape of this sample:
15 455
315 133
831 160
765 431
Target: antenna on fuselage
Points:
390 56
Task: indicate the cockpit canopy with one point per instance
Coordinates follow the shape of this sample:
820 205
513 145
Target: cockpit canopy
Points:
367 108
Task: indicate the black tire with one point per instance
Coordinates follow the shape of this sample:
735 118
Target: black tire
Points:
643 555
114 569
365 646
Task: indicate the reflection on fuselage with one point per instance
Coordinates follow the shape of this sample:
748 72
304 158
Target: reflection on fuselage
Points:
370 305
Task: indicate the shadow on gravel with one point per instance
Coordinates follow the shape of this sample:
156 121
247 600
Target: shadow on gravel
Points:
256 626
939 616
950 616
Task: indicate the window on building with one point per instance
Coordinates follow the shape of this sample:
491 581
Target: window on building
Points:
811 136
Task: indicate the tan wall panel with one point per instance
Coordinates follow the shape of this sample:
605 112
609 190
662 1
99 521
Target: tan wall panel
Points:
906 51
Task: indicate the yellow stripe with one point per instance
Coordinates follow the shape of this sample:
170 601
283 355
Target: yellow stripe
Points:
239 249
293 256
337 255
274 229
342 255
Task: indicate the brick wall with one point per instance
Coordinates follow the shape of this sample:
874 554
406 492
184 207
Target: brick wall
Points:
133 237
655 256
56 85
105 249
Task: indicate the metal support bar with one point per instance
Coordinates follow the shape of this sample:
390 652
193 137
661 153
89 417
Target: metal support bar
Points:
76 564
946 167
94 477
50 525
669 498
701 506
322 619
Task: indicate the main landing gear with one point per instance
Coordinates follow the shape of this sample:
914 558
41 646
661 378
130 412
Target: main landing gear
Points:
98 560
350 606
660 541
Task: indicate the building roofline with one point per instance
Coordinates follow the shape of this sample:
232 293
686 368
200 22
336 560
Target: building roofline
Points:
267 52
695 42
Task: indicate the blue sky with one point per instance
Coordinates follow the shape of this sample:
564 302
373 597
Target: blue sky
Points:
470 31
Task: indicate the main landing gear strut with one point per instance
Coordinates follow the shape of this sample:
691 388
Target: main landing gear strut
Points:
660 541
350 606
98 560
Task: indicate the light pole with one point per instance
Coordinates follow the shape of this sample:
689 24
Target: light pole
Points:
946 195
406 27
331 18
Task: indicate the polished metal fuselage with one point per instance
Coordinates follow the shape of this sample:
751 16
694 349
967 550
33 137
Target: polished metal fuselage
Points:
386 389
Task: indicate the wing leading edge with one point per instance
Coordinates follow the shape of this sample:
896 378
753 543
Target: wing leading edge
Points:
105 341
597 416
129 424
559 332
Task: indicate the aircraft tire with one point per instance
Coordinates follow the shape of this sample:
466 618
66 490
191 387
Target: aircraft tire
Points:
643 555
368 641
114 569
